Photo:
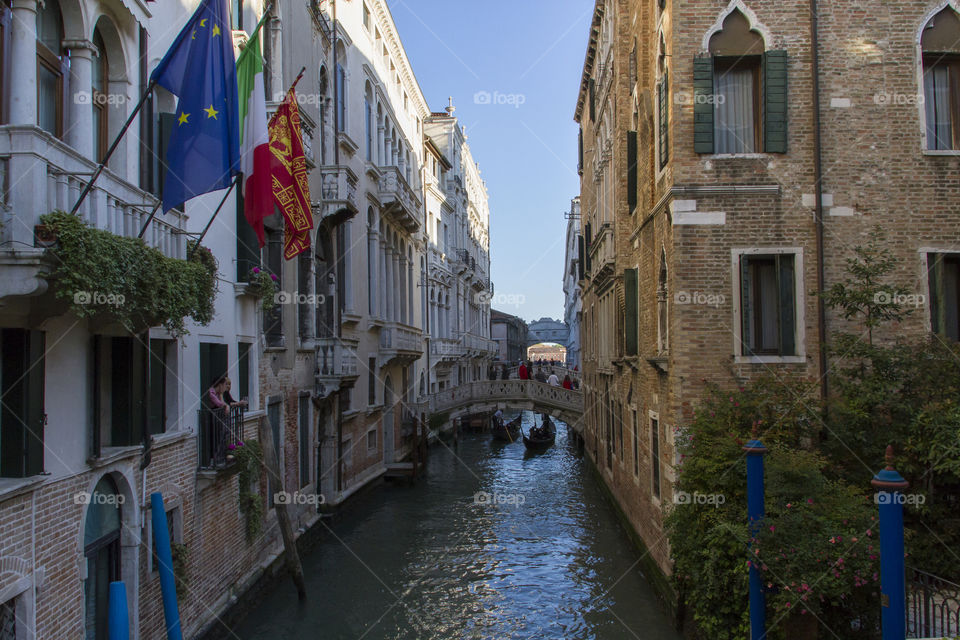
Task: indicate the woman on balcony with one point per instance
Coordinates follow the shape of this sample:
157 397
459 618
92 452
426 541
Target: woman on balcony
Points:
228 399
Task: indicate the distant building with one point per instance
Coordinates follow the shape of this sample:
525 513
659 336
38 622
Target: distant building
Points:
572 273
548 330
548 352
510 332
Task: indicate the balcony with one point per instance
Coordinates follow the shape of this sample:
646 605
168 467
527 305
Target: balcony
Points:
338 193
446 349
45 174
479 346
399 201
336 364
603 253
400 342
220 431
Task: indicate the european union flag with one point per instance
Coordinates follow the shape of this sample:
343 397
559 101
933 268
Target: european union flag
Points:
204 150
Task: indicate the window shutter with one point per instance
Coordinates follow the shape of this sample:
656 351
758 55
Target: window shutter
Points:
580 151
937 308
746 308
65 98
775 101
586 264
787 304
21 415
632 170
593 100
157 397
35 416
663 130
580 256
630 311
703 104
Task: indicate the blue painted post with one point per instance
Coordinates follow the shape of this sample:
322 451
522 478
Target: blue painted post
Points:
168 588
893 598
118 619
755 512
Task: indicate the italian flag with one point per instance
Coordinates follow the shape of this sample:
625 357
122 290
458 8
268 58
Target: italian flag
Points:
254 139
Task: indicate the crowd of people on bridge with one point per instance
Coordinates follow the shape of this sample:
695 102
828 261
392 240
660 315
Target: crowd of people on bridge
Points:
525 371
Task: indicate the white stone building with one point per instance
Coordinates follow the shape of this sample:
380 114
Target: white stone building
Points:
572 274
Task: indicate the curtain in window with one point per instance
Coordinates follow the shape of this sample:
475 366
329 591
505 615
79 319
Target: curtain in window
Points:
734 118
936 94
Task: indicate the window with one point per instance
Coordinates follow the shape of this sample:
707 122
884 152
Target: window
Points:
662 324
101 112
273 418
119 391
630 310
663 119
366 17
636 446
371 440
768 305
22 416
162 371
740 93
174 530
368 121
6 18
944 280
341 98
101 549
303 416
243 373
940 43
53 66
236 15
371 381
273 260
655 456
213 365
304 301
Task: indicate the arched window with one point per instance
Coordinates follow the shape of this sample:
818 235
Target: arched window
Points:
662 326
322 84
737 53
101 549
341 88
368 120
322 273
101 113
940 42
372 248
53 65
663 107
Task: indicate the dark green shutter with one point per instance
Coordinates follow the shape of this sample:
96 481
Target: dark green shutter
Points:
35 415
128 359
580 253
158 388
938 322
703 104
630 311
632 170
22 412
243 370
593 100
580 151
775 101
587 241
785 274
746 307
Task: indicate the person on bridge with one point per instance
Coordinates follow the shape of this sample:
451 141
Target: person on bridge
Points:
522 372
541 376
567 383
504 373
553 380
492 374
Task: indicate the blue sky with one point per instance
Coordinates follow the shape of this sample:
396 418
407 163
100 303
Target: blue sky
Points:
526 55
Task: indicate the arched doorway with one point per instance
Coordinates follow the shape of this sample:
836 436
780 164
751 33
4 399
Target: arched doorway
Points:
388 410
547 352
102 553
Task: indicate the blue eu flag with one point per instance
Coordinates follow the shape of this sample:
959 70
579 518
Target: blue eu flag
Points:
204 149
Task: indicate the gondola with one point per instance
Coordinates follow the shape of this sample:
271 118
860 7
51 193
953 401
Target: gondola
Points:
509 432
541 437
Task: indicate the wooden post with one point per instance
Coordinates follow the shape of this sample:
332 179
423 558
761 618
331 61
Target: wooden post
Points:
272 465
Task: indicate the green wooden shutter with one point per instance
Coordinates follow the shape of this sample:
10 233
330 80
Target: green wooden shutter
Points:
703 104
243 370
746 306
785 274
589 238
21 415
206 375
157 385
580 257
775 101
632 170
580 151
630 311
593 100
938 322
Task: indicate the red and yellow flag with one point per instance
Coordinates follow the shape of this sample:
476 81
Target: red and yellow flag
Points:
291 192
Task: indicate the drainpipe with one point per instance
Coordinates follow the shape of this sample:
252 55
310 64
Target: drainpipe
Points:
818 190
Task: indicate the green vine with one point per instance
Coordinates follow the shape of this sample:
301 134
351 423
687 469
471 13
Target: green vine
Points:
249 456
100 274
181 555
263 285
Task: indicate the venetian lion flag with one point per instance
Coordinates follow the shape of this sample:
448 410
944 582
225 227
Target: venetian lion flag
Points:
254 137
291 193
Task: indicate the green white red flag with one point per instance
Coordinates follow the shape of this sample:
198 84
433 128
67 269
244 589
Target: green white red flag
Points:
255 156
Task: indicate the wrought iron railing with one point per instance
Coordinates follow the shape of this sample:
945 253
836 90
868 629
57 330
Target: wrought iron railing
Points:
220 432
933 606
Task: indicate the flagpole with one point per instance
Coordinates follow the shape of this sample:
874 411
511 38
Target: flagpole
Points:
210 222
113 147
146 224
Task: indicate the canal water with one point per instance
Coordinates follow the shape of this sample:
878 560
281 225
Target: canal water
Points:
491 543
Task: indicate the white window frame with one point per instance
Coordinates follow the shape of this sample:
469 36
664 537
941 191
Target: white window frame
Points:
798 306
918 63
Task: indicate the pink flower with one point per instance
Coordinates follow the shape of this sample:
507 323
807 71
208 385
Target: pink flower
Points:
273 277
772 527
256 269
231 447
809 500
789 505
869 533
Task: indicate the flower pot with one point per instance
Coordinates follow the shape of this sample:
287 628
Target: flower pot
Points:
44 236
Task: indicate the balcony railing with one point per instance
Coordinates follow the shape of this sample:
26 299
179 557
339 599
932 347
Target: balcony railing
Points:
399 200
335 360
400 341
339 191
220 432
446 348
478 344
47 174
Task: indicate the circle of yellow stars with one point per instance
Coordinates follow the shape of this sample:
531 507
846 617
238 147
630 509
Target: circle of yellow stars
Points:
210 111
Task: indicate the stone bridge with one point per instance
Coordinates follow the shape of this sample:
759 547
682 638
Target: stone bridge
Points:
530 395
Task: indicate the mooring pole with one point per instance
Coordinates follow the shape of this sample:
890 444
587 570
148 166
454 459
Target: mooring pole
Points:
755 512
118 617
168 585
893 599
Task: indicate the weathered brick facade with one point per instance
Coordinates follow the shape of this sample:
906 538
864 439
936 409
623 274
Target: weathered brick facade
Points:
698 214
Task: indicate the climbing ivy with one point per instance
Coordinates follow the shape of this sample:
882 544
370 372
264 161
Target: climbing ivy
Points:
101 274
249 456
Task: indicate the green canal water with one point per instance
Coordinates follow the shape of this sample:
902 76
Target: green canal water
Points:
491 543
